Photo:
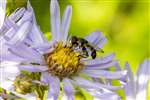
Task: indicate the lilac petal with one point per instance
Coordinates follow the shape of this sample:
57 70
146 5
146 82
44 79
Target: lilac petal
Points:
2 10
36 35
66 22
33 68
118 67
143 76
26 52
123 79
101 43
55 20
101 66
15 16
26 17
130 86
45 77
21 33
11 57
106 95
94 88
54 88
97 85
105 74
68 89
97 61
96 39
110 87
11 24
42 45
28 41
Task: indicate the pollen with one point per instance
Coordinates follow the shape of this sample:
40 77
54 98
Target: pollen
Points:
63 61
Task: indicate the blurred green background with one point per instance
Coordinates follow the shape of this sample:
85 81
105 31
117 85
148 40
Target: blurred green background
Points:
125 23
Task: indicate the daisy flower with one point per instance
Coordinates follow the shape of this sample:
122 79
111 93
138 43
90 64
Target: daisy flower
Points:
61 61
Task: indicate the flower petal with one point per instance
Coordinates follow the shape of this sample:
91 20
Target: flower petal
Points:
96 39
15 16
55 20
2 10
36 35
107 95
7 56
26 53
130 86
105 74
66 22
54 88
143 76
68 89
95 85
21 34
93 88
101 66
27 16
33 68
8 70
45 77
98 61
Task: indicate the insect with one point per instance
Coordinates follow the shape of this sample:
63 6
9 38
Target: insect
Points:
84 46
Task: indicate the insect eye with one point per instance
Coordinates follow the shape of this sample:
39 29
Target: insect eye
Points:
74 39
93 54
83 48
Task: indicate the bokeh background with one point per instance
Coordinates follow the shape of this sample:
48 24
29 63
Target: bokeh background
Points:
125 23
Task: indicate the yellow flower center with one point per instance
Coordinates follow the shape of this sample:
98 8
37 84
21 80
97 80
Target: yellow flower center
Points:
63 61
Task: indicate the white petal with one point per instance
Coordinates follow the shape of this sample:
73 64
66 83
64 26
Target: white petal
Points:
143 76
2 11
8 71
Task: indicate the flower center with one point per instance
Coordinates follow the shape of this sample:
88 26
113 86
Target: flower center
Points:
23 84
63 61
